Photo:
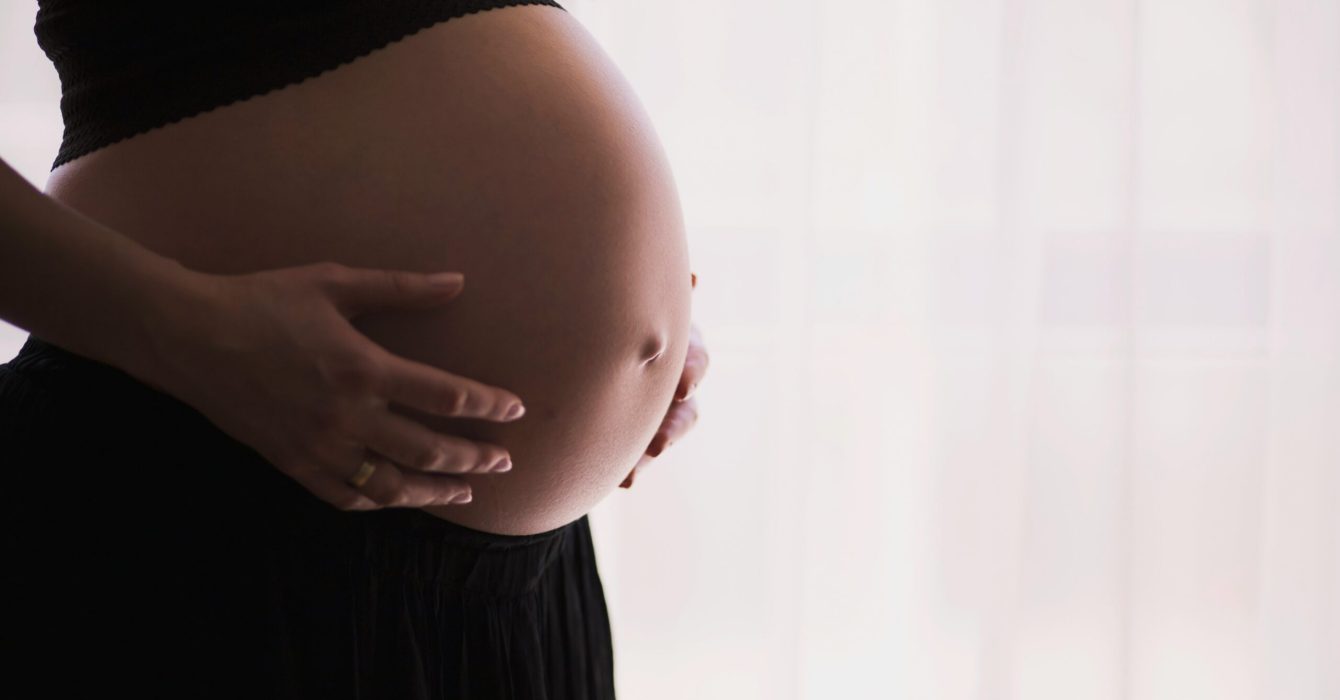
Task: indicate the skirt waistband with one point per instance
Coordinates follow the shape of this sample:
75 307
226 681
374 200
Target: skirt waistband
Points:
54 363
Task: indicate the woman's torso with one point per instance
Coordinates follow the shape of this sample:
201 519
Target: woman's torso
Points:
502 144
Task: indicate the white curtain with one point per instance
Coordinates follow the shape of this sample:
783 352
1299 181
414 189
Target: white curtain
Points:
1024 318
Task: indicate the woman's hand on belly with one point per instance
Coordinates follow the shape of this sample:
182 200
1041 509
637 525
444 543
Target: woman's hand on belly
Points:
271 359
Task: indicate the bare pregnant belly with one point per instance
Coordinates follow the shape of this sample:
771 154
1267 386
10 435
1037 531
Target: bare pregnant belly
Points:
503 144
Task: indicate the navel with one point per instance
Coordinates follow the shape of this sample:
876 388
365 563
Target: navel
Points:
653 347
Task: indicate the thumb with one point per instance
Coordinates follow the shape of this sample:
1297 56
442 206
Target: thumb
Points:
361 290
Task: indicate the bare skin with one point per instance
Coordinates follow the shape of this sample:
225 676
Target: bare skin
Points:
504 145
270 357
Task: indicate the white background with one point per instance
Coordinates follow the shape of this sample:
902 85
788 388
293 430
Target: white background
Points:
1024 318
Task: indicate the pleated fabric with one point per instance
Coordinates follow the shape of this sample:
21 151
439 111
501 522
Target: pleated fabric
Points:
146 551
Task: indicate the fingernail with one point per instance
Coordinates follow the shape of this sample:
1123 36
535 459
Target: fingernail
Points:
463 498
443 281
516 411
693 277
656 447
504 466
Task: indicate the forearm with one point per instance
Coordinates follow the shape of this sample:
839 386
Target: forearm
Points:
68 279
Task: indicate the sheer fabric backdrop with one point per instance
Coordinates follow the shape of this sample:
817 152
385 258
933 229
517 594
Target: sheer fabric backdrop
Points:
1024 322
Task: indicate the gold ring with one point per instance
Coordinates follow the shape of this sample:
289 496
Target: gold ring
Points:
363 474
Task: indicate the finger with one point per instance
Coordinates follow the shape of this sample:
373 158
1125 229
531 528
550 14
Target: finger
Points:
437 391
642 463
677 422
395 488
414 446
336 493
695 366
359 290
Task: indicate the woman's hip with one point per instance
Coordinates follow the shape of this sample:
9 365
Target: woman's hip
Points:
142 541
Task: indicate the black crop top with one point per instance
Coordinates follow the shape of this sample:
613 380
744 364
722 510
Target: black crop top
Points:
128 66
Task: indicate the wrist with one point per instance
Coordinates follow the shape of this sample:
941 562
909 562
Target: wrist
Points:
171 304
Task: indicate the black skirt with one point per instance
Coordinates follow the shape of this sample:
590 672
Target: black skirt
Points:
146 551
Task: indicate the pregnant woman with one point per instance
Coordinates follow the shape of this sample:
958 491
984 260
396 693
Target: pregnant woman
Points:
249 450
